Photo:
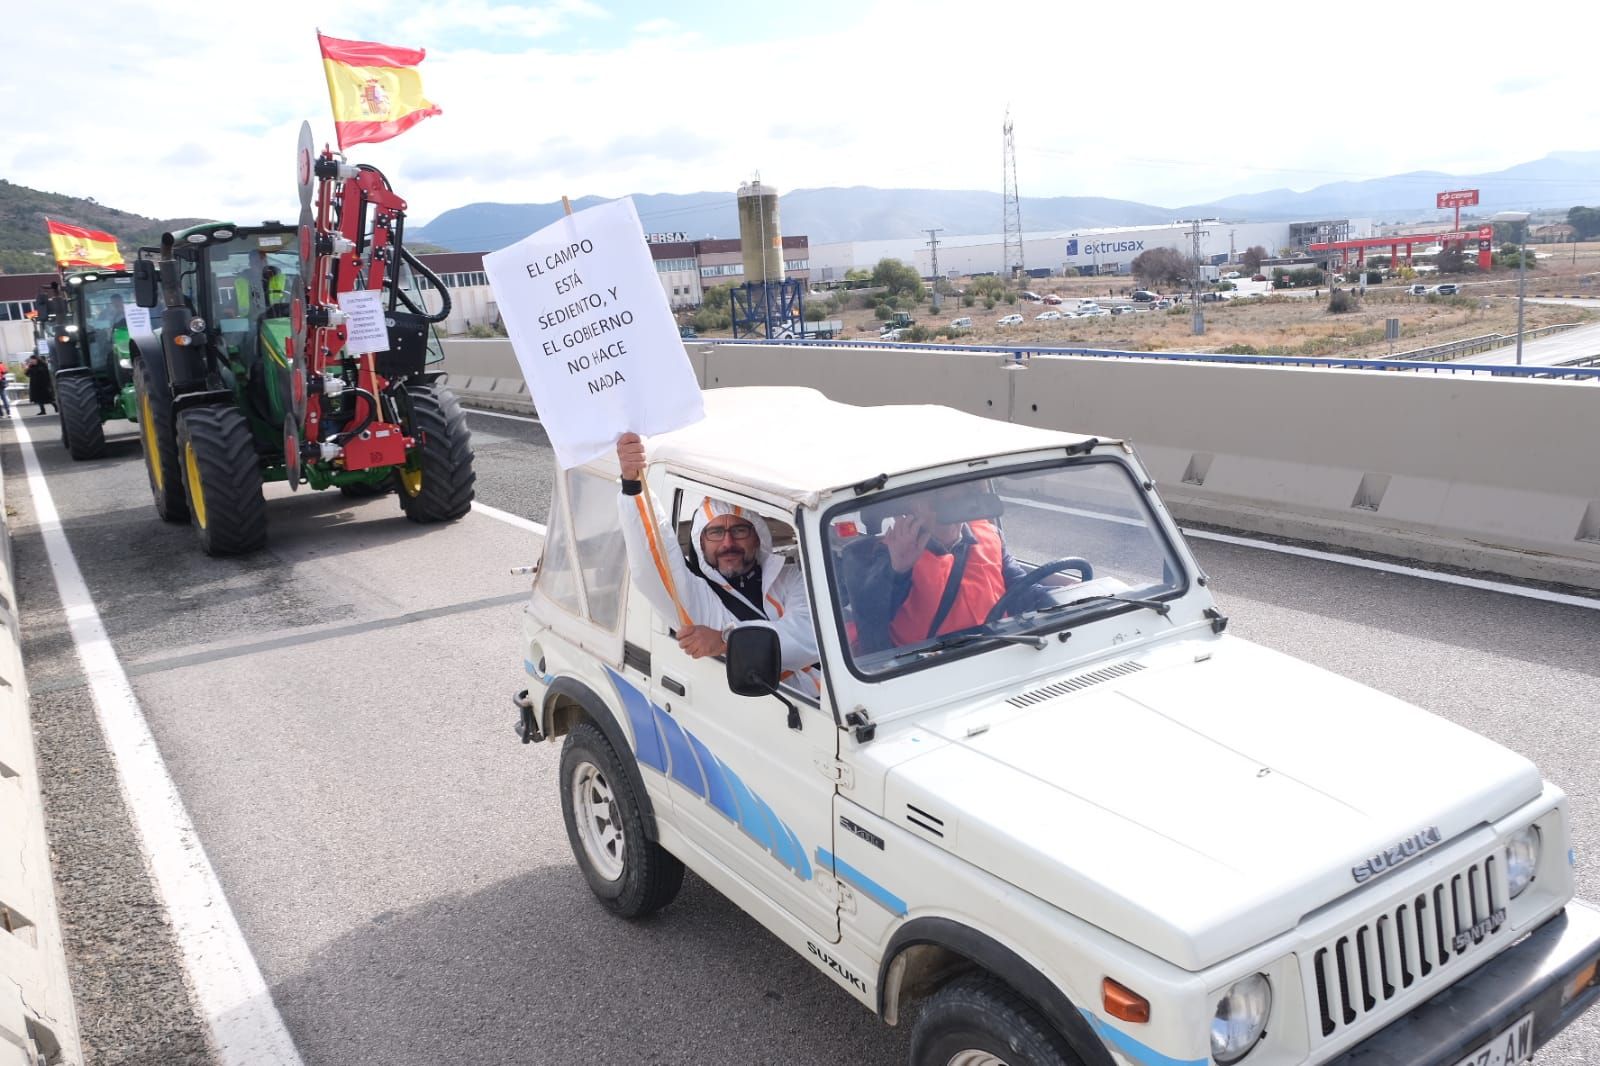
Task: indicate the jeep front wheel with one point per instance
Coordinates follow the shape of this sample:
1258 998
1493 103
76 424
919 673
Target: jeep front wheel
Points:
629 873
977 1020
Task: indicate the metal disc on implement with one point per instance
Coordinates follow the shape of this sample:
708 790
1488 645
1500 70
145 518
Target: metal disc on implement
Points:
305 158
297 388
291 452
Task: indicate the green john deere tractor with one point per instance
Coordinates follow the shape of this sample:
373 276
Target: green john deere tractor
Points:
231 400
84 316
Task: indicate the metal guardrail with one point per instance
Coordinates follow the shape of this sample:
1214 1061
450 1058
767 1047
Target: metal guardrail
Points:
1021 353
1482 343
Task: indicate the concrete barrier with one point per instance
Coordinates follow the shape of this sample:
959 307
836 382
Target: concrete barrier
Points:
1482 473
38 1022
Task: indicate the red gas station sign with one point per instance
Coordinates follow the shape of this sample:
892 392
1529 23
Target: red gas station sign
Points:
1458 198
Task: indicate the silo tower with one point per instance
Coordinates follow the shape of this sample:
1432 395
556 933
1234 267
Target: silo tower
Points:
768 304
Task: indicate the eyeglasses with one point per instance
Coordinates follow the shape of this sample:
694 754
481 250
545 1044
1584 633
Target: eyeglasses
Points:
739 531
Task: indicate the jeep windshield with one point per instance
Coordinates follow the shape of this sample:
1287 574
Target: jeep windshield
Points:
968 564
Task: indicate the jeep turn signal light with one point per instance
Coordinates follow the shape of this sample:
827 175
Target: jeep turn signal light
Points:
1579 983
1123 1002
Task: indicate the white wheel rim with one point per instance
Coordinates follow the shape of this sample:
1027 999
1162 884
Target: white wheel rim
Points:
975 1058
594 808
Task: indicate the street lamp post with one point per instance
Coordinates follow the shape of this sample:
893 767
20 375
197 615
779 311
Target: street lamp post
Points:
1522 268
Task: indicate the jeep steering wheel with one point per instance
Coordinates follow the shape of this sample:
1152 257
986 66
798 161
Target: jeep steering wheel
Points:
1030 580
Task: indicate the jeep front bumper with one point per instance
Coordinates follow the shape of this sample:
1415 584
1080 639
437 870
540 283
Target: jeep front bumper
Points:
1531 977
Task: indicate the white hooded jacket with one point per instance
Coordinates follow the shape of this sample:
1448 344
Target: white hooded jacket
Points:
782 587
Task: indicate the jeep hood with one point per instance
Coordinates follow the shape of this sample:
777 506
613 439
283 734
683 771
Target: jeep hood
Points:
1197 808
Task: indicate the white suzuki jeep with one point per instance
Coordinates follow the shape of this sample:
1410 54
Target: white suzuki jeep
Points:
1067 820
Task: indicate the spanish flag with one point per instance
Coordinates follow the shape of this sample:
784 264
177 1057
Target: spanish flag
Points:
375 89
78 247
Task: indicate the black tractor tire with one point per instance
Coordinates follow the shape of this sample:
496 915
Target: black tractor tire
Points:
158 439
632 875
437 484
222 480
977 1015
78 404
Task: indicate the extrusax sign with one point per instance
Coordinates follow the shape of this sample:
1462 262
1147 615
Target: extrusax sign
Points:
593 334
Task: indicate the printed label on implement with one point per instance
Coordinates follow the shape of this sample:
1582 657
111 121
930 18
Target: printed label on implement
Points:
593 334
366 327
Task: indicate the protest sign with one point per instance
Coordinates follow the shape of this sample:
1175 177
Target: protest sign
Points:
593 333
137 319
366 327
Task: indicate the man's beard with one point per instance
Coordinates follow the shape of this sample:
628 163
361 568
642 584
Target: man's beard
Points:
734 564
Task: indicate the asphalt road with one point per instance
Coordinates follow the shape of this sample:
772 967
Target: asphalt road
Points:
335 713
1554 350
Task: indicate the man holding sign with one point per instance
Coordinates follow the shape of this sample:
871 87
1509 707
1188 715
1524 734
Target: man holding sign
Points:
734 577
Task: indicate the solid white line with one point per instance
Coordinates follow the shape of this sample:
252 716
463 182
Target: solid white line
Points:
500 414
241 1020
508 518
1343 560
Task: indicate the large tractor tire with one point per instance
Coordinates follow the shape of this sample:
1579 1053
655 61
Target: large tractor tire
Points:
78 404
158 438
436 484
222 480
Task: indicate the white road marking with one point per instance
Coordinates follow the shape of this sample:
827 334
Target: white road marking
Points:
241 1020
1347 560
500 414
508 518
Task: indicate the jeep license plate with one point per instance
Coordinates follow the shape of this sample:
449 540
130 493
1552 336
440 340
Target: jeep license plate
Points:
1508 1048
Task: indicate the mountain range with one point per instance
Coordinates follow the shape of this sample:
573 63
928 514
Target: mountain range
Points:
1552 184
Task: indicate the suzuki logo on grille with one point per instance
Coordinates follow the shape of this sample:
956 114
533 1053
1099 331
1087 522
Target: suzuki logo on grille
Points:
1399 855
1476 933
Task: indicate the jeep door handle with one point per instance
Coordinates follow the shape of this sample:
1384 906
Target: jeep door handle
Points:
673 685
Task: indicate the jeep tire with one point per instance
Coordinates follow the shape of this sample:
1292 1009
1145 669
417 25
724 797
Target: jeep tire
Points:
977 1020
222 480
78 404
631 875
158 438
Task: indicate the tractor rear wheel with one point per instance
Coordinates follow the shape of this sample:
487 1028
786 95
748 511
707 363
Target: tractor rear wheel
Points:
78 404
158 437
436 481
222 480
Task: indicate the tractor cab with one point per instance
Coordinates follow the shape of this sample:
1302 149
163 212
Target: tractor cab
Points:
85 318
240 280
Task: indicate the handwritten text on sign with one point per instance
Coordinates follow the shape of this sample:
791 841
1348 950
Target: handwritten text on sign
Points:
593 333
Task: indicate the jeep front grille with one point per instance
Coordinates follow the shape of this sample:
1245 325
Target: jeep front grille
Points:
1395 954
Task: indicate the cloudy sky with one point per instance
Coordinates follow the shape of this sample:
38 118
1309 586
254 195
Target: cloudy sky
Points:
170 109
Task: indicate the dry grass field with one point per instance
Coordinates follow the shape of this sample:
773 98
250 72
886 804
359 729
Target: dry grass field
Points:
1294 322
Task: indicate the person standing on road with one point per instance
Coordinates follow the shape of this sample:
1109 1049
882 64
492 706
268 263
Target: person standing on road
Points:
40 389
5 398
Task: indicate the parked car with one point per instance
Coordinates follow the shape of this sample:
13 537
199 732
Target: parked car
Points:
1418 290
1051 298
1031 297
1093 312
1211 297
1047 316
889 335
1010 320
1163 304
1448 288
1232 275
961 323
1144 296
1122 309
1156 842
1258 277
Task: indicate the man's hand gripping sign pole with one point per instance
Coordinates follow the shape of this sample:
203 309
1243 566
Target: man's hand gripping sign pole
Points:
596 341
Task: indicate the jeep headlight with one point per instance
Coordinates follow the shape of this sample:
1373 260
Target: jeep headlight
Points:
1241 1018
1522 859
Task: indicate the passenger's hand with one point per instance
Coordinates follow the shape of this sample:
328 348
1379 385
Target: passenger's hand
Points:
905 541
701 641
630 456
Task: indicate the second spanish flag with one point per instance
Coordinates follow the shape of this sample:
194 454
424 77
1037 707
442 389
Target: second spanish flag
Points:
375 89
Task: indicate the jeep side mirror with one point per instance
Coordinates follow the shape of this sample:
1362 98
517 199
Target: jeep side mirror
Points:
755 661
144 283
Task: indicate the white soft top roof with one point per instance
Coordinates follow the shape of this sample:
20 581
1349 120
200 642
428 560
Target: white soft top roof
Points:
797 444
